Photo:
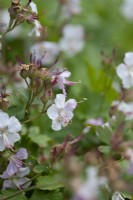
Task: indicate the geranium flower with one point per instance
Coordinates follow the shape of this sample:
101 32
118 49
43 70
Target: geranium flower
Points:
89 189
125 71
127 9
47 50
16 161
9 128
71 7
61 112
60 79
38 27
17 180
127 109
72 41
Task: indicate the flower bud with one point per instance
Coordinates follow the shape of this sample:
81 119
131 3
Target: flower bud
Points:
48 95
14 8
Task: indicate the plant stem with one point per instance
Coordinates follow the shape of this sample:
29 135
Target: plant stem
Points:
19 192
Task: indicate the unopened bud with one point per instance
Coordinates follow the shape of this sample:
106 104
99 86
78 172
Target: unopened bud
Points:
48 95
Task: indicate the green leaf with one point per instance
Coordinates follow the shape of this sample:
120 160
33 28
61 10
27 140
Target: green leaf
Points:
43 195
7 193
38 138
49 182
39 169
17 111
104 134
105 149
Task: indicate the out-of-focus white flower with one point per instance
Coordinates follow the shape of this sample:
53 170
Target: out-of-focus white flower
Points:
9 128
127 9
90 188
5 18
61 112
47 50
72 41
38 27
129 156
71 7
92 122
125 71
127 109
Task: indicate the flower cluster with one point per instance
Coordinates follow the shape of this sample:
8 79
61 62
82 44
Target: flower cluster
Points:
19 14
9 134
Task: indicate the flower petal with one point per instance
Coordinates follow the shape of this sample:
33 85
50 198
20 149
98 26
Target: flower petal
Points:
22 154
129 59
3 119
11 168
56 125
14 137
122 71
52 112
33 7
14 125
2 145
65 74
21 181
8 184
70 105
60 101
23 172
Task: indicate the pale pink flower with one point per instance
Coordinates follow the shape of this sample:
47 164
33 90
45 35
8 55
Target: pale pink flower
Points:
71 7
72 41
9 128
60 79
61 112
89 189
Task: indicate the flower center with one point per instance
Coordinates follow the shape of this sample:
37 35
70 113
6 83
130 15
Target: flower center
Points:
62 117
2 131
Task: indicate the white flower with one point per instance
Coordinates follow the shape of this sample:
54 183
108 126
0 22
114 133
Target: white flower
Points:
61 112
72 41
47 50
125 71
127 109
117 196
38 27
71 7
127 9
90 188
9 128
5 18
129 156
